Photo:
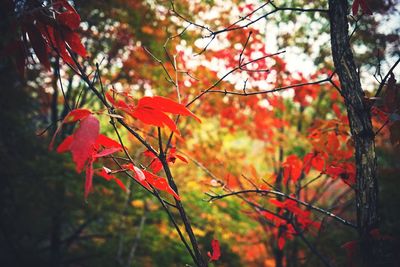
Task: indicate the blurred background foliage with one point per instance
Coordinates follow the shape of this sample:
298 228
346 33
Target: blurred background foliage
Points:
45 220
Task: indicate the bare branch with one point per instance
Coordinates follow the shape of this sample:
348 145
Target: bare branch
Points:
277 193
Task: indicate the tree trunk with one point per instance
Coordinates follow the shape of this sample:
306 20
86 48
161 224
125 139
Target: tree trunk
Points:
360 126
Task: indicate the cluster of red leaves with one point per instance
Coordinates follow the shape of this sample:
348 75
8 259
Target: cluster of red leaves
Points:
145 178
335 169
287 230
304 95
156 165
292 169
86 144
328 155
332 150
48 30
315 160
231 118
251 116
346 171
255 46
151 110
303 218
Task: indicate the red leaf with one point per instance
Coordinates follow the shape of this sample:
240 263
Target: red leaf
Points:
166 105
307 162
65 145
118 104
315 160
277 203
84 145
292 168
355 7
107 142
89 177
66 5
216 251
344 170
76 114
154 117
152 110
72 116
105 173
120 184
156 165
39 45
139 175
160 183
364 7
273 218
318 162
74 42
59 45
182 158
70 19
107 151
85 138
281 242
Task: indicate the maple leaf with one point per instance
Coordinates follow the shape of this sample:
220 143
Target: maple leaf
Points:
72 116
216 251
74 42
107 142
85 144
84 139
152 110
160 183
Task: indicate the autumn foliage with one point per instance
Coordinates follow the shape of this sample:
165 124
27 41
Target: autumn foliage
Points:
273 148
